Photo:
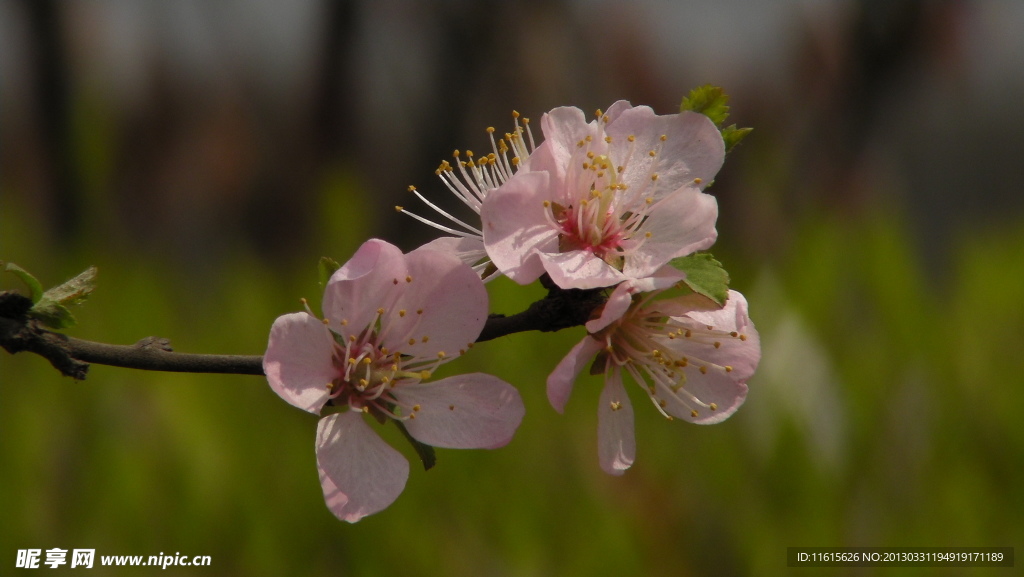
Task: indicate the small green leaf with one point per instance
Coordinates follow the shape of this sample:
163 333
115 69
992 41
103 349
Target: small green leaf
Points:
711 101
425 452
705 276
72 292
327 267
732 136
34 286
53 315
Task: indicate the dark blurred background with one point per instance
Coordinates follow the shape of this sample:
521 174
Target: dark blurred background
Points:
205 154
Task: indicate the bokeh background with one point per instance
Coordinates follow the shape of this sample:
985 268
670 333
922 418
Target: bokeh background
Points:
205 154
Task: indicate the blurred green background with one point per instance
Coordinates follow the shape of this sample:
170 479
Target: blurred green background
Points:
204 156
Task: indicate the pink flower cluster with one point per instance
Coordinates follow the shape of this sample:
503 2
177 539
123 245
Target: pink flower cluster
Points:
602 204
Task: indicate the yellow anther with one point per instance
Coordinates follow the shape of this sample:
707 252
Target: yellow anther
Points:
590 155
620 169
351 338
718 344
351 361
654 177
547 204
469 153
515 161
425 338
408 279
687 334
728 369
697 181
743 337
363 383
710 327
586 165
344 322
412 415
616 405
648 234
734 334
419 311
412 342
598 114
703 370
490 130
600 173
451 407
398 208
412 188
401 312
303 301
652 154
682 363
713 406
631 138
415 407
608 139
325 321
662 403
469 345
367 360
515 114
424 374
580 144
380 310
693 414
664 137
589 138
649 200
441 355
365 409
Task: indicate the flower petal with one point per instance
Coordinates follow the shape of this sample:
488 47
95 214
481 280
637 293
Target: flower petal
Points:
680 224
474 411
515 226
616 440
622 297
371 279
714 387
442 307
360 474
741 353
299 360
579 269
561 380
693 147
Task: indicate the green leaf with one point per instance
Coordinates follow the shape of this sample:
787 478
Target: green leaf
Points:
732 136
327 267
53 315
34 286
711 101
425 452
705 276
72 292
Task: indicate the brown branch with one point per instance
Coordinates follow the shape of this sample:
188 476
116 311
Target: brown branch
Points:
558 310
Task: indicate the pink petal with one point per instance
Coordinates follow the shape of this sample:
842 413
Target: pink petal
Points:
616 441
363 284
474 411
680 224
299 360
561 380
563 128
468 249
444 304
580 269
620 299
360 474
741 355
617 108
716 386
693 147
515 226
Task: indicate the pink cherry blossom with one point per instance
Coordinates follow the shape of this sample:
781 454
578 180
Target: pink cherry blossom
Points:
476 178
693 361
606 201
390 320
